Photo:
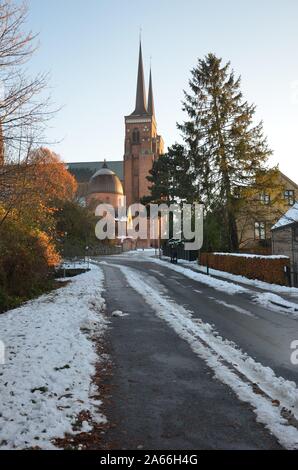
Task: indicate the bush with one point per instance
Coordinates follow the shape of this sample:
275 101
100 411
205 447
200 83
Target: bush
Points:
79 224
26 257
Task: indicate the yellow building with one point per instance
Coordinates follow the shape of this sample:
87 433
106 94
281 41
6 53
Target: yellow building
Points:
261 210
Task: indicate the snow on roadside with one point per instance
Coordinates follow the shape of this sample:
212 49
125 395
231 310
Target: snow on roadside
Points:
273 301
226 286
245 280
293 291
251 255
267 300
149 254
218 284
228 362
233 307
46 381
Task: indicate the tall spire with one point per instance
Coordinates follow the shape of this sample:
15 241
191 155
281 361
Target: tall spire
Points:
151 108
141 107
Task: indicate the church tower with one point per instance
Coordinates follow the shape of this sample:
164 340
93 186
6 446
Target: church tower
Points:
142 143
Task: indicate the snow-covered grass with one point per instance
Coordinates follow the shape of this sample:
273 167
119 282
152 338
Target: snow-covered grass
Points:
46 381
275 396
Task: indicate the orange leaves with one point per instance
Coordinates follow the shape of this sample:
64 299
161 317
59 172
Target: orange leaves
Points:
25 258
28 224
50 255
48 174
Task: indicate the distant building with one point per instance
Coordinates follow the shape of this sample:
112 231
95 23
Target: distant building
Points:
285 239
143 146
260 211
142 143
110 181
105 187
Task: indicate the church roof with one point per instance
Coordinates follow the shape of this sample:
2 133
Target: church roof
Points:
151 108
141 106
84 170
105 181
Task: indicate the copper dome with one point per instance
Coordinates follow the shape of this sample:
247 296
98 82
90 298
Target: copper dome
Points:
105 181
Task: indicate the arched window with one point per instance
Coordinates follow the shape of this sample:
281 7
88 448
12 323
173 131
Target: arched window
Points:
136 136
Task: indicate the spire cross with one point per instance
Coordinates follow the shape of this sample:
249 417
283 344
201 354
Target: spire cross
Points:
141 102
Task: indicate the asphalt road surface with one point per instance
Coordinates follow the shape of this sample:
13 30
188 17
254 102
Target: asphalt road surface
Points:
164 396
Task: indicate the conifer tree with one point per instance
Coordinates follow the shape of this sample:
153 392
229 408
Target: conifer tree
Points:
226 150
170 178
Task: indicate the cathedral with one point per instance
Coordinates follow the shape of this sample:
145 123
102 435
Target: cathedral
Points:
142 143
109 182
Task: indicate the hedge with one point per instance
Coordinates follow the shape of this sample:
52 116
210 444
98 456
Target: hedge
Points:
263 268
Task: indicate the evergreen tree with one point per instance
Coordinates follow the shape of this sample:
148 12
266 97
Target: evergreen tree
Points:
170 178
225 149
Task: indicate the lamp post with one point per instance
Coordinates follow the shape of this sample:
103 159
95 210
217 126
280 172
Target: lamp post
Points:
159 237
87 254
64 252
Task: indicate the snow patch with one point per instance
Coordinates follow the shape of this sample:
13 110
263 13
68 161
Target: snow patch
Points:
288 218
252 255
233 307
265 298
120 314
273 301
293 291
223 286
46 381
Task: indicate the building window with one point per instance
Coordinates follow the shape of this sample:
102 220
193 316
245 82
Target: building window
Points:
136 136
260 231
265 198
290 196
295 230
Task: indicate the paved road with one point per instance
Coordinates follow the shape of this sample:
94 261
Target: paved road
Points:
163 396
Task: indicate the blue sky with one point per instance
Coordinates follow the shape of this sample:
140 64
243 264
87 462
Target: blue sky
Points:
91 49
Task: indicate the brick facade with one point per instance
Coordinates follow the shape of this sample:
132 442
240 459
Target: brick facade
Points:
142 147
142 143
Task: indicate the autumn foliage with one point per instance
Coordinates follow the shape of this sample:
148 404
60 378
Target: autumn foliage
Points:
26 256
33 179
28 228
49 177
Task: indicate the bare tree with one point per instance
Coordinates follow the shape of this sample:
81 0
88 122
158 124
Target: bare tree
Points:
24 106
